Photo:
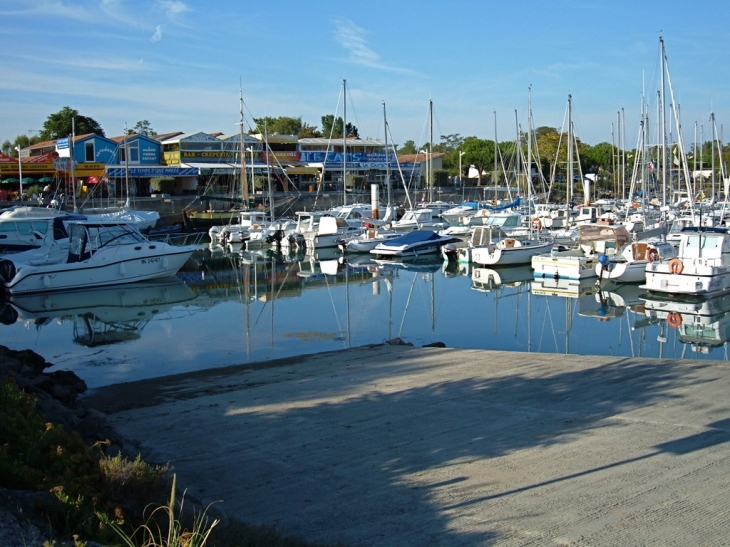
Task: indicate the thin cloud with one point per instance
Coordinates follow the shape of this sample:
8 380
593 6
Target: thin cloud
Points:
352 38
53 8
173 8
157 36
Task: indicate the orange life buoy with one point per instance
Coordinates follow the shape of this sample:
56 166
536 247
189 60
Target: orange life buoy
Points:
676 266
652 255
674 320
536 224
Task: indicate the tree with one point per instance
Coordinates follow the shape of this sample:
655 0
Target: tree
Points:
22 141
59 125
142 128
479 153
283 125
409 147
449 143
333 128
309 131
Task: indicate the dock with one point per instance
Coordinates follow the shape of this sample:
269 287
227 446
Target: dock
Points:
406 446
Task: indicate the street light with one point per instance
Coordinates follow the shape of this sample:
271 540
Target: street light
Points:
461 182
20 173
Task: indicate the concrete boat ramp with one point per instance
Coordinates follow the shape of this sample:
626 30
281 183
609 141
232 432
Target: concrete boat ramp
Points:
404 446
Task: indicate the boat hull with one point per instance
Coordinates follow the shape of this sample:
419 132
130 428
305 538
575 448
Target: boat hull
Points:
492 255
98 271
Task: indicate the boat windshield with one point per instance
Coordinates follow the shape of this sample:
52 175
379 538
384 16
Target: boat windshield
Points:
506 221
589 233
85 239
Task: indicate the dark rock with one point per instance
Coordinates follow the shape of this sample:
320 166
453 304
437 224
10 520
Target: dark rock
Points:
434 345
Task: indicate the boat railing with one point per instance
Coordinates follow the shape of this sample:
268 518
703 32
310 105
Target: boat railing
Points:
182 238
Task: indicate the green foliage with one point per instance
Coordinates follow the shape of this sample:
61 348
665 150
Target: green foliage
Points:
59 125
154 533
261 182
479 153
409 147
332 128
142 127
34 189
449 143
309 131
283 125
355 181
162 185
441 177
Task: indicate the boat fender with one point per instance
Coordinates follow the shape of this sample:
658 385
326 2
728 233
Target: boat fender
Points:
604 260
676 266
7 270
674 320
536 224
652 255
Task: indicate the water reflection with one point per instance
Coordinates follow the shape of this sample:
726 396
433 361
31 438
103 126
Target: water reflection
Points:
240 306
101 316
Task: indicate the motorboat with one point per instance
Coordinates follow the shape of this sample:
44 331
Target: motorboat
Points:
99 254
367 240
629 266
701 267
25 227
419 219
509 251
579 262
330 231
413 244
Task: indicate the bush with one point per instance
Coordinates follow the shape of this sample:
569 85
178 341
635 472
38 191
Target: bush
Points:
162 185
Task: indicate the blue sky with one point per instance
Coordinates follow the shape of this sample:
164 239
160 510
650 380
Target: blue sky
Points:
177 63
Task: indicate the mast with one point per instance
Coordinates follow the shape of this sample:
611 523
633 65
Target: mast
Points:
126 162
569 189
529 153
664 130
244 182
268 173
387 164
430 150
344 142
518 155
496 150
73 176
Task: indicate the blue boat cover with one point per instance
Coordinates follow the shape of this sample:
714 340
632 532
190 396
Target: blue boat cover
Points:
415 236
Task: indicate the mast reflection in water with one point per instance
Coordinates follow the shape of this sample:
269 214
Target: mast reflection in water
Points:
240 307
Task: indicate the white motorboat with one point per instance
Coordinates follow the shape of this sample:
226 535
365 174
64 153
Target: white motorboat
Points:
413 244
99 254
509 251
367 241
629 266
330 231
419 219
580 262
701 267
23 228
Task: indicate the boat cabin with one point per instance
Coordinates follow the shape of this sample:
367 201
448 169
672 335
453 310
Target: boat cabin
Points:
599 238
707 244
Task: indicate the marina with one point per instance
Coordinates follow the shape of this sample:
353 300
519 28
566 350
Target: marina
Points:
243 307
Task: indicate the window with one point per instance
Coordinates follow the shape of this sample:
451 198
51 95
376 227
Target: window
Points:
89 151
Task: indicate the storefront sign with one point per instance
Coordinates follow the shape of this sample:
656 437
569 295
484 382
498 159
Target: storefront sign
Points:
152 171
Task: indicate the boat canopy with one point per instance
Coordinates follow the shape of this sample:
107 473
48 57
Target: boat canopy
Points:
415 236
590 233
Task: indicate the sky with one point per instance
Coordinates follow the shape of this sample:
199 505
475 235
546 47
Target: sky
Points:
182 64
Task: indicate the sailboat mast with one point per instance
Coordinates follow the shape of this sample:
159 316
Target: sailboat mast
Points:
244 182
268 172
387 163
496 151
570 152
529 153
430 150
126 162
73 175
664 129
344 142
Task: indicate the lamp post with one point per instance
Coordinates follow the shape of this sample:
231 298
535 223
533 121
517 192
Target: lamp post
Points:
20 173
461 182
253 188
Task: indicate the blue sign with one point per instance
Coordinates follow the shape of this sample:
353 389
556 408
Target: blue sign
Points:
62 144
119 172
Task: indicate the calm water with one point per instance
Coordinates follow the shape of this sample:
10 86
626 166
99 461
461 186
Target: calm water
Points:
243 307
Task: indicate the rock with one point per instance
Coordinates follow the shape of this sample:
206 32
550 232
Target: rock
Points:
90 425
434 345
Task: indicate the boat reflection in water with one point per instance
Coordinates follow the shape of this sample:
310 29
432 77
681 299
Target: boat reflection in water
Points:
242 307
105 315
490 279
701 324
